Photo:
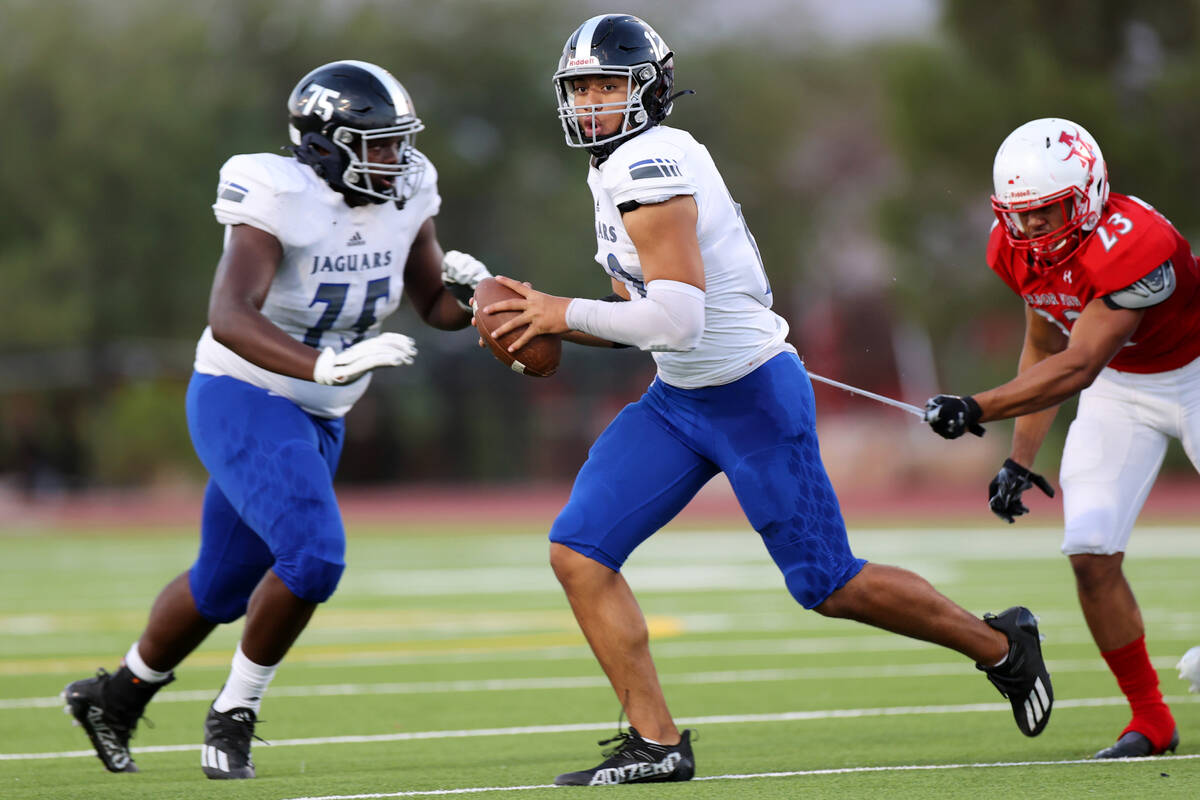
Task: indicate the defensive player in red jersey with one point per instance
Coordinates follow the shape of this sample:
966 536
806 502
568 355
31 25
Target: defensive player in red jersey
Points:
1112 310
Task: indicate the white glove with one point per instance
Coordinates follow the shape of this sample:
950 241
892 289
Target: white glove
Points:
384 350
1189 669
463 268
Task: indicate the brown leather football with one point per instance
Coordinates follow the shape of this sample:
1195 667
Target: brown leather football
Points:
539 357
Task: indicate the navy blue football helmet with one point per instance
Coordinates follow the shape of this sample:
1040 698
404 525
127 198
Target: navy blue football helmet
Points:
619 45
337 111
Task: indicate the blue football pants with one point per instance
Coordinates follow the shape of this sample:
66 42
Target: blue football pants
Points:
760 431
269 502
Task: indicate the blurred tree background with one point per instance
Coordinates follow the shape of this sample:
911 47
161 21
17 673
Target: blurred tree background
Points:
863 166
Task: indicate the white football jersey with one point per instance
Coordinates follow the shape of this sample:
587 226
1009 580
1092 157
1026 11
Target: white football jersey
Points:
341 275
740 330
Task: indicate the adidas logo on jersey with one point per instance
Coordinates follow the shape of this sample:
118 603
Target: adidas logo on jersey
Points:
356 239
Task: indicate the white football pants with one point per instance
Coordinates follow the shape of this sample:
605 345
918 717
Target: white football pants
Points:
1115 447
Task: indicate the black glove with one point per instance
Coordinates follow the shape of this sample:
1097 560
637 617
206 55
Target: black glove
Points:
951 416
1004 492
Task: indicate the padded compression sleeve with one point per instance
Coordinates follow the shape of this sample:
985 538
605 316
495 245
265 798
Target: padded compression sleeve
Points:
669 318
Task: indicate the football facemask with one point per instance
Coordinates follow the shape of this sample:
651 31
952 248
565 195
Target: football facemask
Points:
1053 246
396 180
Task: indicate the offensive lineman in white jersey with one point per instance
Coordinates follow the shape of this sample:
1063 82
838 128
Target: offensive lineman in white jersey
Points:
730 396
318 249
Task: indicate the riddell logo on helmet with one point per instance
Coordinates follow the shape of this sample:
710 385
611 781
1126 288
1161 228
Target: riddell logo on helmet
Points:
584 62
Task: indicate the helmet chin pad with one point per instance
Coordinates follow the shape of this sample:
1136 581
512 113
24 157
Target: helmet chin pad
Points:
330 162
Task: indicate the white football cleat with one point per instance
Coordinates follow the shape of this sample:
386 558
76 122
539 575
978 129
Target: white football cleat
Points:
1189 669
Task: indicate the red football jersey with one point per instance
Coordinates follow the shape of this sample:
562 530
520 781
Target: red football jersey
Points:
1131 241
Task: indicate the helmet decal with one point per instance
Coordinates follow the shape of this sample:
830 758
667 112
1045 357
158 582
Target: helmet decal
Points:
319 101
583 44
656 43
1079 149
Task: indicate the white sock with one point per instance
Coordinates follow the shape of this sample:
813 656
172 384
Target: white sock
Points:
246 685
651 741
133 660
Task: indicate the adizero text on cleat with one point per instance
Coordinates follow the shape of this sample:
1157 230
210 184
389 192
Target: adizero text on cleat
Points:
634 760
226 751
1136 745
1023 677
108 708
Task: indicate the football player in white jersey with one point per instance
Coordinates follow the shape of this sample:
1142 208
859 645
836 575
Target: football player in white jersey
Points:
319 246
730 396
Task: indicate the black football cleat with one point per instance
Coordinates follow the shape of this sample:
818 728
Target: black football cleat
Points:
635 760
1136 745
226 751
1023 677
108 708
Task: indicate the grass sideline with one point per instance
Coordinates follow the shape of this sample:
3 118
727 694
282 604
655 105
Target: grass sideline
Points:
448 663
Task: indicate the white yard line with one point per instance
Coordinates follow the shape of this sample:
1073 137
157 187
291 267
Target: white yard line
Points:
790 716
749 776
841 672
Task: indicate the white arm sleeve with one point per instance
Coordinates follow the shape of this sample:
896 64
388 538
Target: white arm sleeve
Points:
669 318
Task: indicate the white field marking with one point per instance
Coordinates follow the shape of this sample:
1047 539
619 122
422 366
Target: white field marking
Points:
681 560
986 542
990 541
665 650
789 716
644 574
330 627
1066 627
826 674
431 792
750 776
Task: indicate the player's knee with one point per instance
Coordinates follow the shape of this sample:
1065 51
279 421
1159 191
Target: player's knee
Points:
832 588
571 567
222 609
561 561
844 602
571 551
836 606
1096 572
310 577
222 594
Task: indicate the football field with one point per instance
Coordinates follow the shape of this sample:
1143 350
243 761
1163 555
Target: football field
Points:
448 663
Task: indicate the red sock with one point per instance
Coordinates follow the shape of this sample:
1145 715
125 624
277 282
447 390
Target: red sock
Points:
1138 680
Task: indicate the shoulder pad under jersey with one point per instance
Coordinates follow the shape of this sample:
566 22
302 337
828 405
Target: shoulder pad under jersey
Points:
1145 292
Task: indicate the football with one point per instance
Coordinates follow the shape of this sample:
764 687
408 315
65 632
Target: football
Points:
538 358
